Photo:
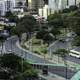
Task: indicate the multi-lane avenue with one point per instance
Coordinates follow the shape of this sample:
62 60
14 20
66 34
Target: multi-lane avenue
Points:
10 45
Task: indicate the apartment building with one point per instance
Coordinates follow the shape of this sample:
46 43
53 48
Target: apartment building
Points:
9 5
6 5
2 8
35 4
56 5
51 6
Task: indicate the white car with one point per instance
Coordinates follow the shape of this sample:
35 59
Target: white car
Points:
10 51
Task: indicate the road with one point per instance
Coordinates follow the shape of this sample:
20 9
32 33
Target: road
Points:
64 45
10 44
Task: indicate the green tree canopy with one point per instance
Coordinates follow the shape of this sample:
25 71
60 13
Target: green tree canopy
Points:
55 20
48 38
12 18
55 32
26 24
41 34
62 52
15 68
76 41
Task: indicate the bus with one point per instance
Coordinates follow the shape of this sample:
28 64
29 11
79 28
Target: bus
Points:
74 53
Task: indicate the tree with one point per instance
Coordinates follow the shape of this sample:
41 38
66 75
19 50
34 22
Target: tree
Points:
40 34
26 24
12 68
73 8
48 38
61 52
55 20
76 41
13 31
44 51
74 23
55 32
20 4
12 18
66 10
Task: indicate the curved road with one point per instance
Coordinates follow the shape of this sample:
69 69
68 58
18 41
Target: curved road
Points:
10 44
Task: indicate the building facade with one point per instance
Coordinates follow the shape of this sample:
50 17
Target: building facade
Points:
35 4
6 5
9 5
61 4
2 8
51 6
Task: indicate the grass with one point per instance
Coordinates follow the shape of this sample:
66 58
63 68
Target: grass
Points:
37 45
1 27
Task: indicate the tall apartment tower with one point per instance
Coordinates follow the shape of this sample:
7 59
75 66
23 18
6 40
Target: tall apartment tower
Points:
61 4
73 2
6 5
57 4
35 4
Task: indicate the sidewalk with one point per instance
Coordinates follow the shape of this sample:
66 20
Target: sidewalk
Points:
51 76
52 61
48 77
70 64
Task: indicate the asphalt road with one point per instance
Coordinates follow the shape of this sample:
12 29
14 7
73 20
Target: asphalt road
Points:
64 45
62 71
10 45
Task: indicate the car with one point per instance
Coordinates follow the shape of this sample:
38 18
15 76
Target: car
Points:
74 54
62 40
10 51
71 35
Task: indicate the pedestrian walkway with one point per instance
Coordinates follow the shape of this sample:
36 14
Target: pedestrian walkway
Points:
51 76
18 45
76 76
54 60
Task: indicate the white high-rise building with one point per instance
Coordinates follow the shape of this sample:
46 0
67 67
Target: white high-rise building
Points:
61 4
56 5
2 8
6 5
9 5
73 2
